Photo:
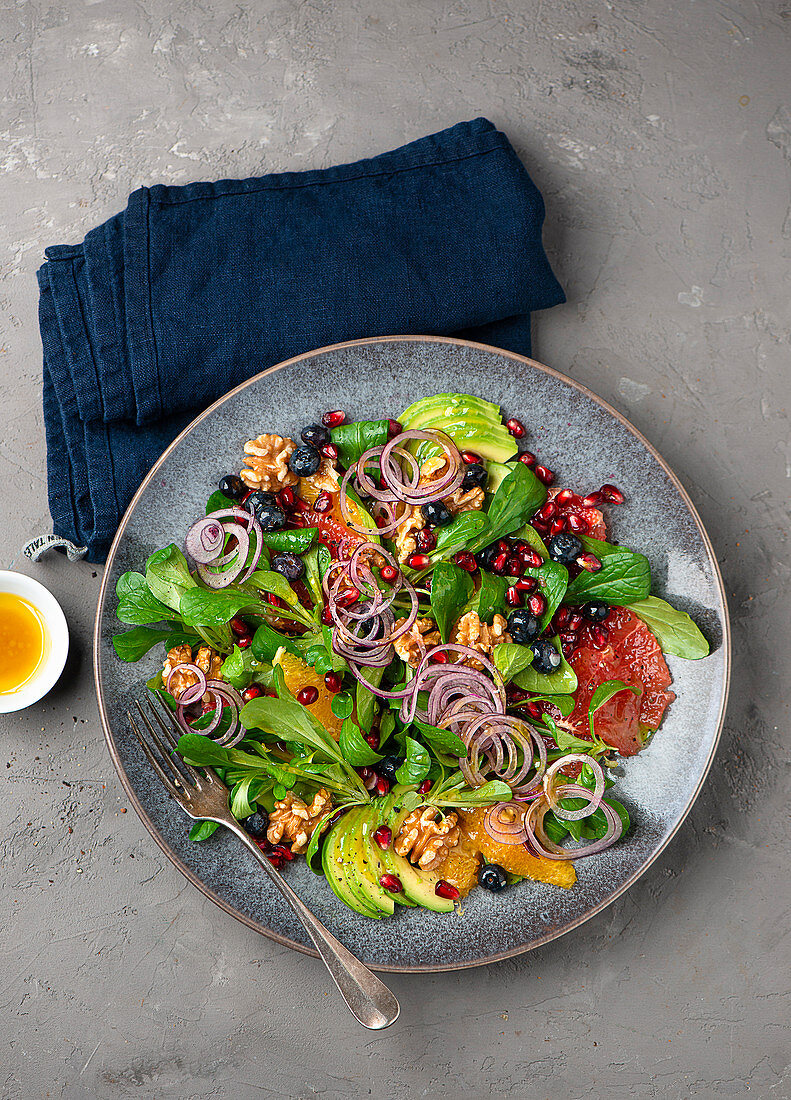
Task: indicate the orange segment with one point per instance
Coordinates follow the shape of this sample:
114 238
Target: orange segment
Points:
515 857
460 866
299 675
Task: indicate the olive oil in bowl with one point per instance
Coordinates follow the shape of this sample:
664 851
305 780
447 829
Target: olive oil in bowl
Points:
23 642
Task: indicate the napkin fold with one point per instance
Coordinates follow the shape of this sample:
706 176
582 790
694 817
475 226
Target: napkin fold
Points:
191 290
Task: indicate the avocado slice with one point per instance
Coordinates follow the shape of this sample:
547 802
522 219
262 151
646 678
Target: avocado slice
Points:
472 424
418 885
445 405
349 853
498 472
386 865
364 865
335 869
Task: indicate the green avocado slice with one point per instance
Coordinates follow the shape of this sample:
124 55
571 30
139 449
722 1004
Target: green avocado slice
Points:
365 865
418 885
445 405
334 869
349 853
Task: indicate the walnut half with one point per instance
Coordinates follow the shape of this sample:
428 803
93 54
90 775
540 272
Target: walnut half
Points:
471 632
411 647
294 821
206 659
266 461
425 840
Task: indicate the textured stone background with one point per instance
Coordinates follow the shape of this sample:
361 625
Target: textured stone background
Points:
660 134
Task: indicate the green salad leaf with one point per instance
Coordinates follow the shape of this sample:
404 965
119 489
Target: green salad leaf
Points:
674 630
561 682
355 748
131 645
416 764
168 576
441 740
625 575
518 497
451 587
603 693
137 605
510 659
490 597
352 440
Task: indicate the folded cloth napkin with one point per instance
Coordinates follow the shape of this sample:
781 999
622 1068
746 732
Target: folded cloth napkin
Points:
193 289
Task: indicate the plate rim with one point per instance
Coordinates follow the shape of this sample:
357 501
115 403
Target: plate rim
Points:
189 874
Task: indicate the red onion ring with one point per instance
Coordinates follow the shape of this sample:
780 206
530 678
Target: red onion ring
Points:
221 695
206 539
501 825
594 796
539 843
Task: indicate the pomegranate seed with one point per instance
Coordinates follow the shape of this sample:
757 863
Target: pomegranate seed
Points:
391 883
445 889
388 573
393 428
244 641
330 451
239 626
514 567
544 475
567 649
424 787
286 498
611 494
322 503
569 637
574 621
301 505
600 635
498 565
382 786
565 496
347 598
368 776
333 419
373 740
557 525
380 521
526 584
332 682
578 524
307 695
589 562
425 540
383 836
272 599
504 546
513 597
515 694
592 499
471 458
528 556
440 658
562 617
528 458
465 559
547 511
252 693
326 616
540 527
516 428
537 604
533 709
297 521
417 561
280 851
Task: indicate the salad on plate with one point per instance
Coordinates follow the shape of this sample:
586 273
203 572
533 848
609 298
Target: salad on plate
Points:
415 660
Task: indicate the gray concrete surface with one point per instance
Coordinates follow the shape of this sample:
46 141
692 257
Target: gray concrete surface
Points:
660 134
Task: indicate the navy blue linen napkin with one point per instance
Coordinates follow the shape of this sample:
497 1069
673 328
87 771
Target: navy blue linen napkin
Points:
193 289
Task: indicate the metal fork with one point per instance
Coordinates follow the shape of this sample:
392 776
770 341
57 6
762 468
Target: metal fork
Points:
203 795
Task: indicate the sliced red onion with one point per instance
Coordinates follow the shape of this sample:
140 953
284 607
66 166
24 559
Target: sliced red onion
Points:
194 691
539 842
221 694
593 797
207 538
505 823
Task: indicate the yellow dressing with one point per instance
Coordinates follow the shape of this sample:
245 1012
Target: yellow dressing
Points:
22 642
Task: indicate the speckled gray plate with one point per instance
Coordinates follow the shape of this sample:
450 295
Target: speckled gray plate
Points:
587 443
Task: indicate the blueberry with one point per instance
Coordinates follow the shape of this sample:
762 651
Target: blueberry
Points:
304 461
596 611
564 549
475 477
387 768
233 487
486 556
546 658
523 626
288 565
266 510
316 435
492 877
436 514
256 824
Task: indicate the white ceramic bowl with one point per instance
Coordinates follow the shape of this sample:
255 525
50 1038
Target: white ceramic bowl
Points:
57 644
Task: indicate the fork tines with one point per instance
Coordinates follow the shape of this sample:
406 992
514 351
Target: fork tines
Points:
178 776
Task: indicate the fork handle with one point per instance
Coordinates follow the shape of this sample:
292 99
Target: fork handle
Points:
368 999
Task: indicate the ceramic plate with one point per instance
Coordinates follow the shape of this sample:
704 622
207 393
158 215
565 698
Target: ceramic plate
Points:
587 443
